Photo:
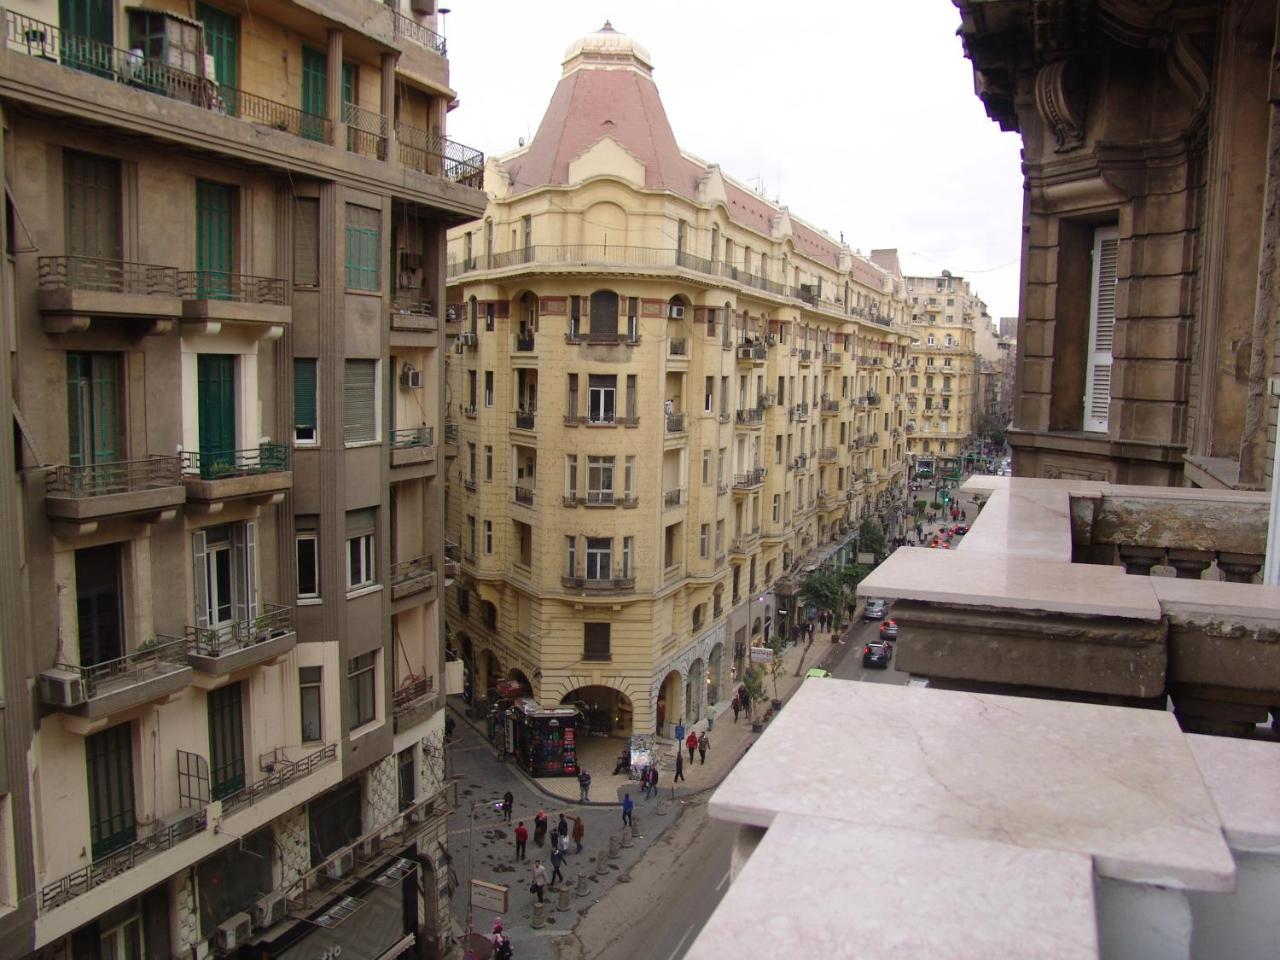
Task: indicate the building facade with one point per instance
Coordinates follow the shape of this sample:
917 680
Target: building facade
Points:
942 383
1148 275
225 252
668 394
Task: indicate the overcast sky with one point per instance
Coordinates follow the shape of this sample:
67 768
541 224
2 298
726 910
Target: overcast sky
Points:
859 115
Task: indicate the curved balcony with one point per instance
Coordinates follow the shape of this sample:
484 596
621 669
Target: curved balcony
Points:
593 585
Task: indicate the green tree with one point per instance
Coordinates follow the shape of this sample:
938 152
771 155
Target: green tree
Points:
852 575
753 680
921 506
822 590
871 538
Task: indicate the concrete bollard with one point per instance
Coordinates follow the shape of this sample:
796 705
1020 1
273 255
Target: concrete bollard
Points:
602 863
663 809
582 885
615 847
626 836
562 904
539 915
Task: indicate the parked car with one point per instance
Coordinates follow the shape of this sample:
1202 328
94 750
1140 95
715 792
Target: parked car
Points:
876 655
962 529
889 630
818 672
875 610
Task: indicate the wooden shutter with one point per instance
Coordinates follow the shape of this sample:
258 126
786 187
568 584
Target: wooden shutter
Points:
1102 318
306 242
200 576
358 423
304 399
595 641
244 540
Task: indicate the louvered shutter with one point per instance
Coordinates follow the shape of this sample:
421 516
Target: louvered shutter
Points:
358 424
304 399
247 552
200 575
1102 320
306 242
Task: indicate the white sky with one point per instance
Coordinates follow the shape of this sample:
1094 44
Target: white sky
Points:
859 115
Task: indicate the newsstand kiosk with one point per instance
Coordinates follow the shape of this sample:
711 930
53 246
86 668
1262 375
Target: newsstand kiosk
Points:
545 739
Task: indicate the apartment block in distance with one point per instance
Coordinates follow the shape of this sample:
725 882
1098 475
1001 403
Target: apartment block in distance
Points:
668 395
226 248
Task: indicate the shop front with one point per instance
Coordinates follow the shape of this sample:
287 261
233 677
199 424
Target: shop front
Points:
544 740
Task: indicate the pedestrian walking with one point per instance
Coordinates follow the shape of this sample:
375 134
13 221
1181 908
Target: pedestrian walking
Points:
564 847
584 785
522 838
679 767
653 781
680 730
579 831
737 708
711 715
644 782
539 828
501 947
692 744
539 879
562 827
557 860
704 744
508 801
627 806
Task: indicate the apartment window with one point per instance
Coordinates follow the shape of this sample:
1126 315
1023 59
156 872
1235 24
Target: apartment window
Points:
226 741
633 319
777 448
599 479
364 248
310 699
604 315
629 477
488 317
671 545
488 537
571 476
575 317
711 322
359 411
706 467
360 548
109 763
572 405
488 388
595 641
929 340
628 551
306 242
724 395
526 223
708 400
95 427
719 537
599 558
407 781
304 400
225 559
631 396
362 688
307 552
704 540
1102 318
777 508
472 390
471 461
720 465
601 392
682 230
571 556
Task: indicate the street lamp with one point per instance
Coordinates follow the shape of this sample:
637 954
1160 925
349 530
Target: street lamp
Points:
468 951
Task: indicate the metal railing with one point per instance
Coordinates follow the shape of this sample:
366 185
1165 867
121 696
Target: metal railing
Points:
524 420
752 478
806 355
678 347
238 287
450 433
366 131
800 412
671 498
48 42
413 437
224 464
524 343
120 476
827 453
830 406
439 156
416 572
606 585
282 774
524 495
452 553
754 352
407 694
161 838
675 423
750 417
275 620
107 276
149 660
419 33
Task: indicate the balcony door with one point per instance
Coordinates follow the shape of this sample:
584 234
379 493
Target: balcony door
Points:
216 407
215 258
226 741
91 208
109 768
98 614
93 409
86 35
225 578
222 41
315 87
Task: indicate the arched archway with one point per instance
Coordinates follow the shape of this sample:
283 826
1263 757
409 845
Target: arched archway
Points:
519 676
608 711
670 706
694 692
488 671
715 673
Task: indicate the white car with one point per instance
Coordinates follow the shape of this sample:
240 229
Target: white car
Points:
875 610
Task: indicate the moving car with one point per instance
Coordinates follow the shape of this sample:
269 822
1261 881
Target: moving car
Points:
875 610
876 655
889 630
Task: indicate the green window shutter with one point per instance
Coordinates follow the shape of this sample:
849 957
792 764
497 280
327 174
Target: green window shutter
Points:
109 768
306 242
358 393
216 408
364 248
304 400
226 741
215 215
91 207
77 406
201 578
315 84
222 40
106 408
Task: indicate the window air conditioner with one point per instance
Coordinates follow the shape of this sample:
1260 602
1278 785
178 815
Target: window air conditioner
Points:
369 848
61 688
232 933
341 865
675 311
269 911
410 377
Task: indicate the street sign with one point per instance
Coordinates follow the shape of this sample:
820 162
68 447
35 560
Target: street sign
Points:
867 559
761 655
488 896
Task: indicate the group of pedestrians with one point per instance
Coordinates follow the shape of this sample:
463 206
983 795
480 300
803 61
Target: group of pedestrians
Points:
562 838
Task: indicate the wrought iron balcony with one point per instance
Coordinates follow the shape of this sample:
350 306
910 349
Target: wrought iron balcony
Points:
155 670
283 772
412 446
409 577
524 420
827 454
439 156
677 347
523 495
830 406
753 352
107 276
524 342
413 437
96 490
800 412
671 498
593 585
228 647
752 478
831 358
239 287
750 417
806 355
419 33
229 474
413 702
675 423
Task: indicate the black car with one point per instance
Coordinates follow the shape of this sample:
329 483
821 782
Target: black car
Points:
876 655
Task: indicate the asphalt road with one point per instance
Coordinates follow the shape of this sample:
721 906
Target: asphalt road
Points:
847 663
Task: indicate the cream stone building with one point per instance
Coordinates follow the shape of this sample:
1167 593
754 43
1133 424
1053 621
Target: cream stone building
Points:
942 383
667 393
220 613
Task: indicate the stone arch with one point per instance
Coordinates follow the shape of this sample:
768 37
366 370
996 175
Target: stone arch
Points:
715 674
488 670
608 710
670 703
695 692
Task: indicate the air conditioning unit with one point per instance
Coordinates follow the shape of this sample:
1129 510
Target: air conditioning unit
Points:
467 338
744 353
269 911
62 688
341 865
675 311
369 848
410 377
232 933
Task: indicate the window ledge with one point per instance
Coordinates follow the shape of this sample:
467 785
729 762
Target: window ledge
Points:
356 292
362 443
365 728
304 444
363 591
310 602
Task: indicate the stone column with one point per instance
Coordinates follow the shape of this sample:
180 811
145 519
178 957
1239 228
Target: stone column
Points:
1139 560
1239 567
333 92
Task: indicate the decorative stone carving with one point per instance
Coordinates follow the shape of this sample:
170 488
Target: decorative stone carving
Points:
383 790
291 837
188 918
1062 100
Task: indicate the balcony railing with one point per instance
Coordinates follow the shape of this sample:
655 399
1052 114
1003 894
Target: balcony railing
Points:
283 773
671 498
239 287
155 658
107 276
121 476
830 406
754 352
451 433
409 700
160 838
591 584
678 347
224 464
751 417
412 576
806 355
128 67
752 478
366 131
452 553
274 620
413 437
439 156
675 423
800 412
524 342
524 420
827 453
419 33
523 495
